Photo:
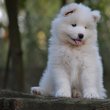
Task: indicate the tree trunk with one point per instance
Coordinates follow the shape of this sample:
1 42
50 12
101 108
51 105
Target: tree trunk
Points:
15 45
10 100
7 69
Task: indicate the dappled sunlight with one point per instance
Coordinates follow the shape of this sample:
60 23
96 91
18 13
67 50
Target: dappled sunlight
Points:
41 39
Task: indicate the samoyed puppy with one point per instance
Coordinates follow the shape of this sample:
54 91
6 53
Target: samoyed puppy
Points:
74 67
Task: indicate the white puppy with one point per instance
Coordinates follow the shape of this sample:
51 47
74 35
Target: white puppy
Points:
74 65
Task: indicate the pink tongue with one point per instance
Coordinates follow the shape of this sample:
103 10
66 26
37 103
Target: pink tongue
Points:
77 42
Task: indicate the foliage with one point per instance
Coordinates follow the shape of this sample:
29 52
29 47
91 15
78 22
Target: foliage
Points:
37 22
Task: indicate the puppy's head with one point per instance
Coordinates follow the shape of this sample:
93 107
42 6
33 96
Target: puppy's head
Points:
76 24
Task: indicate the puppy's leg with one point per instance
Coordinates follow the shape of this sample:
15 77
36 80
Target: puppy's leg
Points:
89 79
45 85
62 83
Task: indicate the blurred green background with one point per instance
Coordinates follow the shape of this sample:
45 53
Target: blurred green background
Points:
24 32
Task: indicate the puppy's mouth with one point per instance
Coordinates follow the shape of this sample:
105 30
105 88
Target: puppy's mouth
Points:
77 41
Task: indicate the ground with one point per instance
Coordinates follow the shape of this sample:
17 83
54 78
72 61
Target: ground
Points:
11 100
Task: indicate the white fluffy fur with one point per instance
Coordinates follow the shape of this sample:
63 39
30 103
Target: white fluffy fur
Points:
74 68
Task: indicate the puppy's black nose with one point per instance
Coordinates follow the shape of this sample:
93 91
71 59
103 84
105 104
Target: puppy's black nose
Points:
80 36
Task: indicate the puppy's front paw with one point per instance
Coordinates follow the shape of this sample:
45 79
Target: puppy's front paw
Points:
62 93
91 93
35 90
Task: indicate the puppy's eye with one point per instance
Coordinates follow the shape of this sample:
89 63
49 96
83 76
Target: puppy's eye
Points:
74 25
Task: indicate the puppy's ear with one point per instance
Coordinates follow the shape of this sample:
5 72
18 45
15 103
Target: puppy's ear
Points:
68 9
96 15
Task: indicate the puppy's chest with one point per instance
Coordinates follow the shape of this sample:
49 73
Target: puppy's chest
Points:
72 60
